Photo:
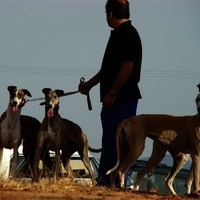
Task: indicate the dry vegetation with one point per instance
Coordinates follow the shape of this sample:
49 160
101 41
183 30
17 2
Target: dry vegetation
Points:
62 190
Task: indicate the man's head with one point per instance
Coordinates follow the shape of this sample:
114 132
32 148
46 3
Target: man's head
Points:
117 11
119 8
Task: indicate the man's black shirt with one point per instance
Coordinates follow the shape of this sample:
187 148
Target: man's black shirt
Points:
124 44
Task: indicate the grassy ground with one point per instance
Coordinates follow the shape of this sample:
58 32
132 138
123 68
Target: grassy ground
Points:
63 190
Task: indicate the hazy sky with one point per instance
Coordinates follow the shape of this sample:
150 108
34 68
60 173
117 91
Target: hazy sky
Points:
54 43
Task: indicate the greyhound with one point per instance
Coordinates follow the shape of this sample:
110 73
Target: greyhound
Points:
177 133
10 123
60 135
179 159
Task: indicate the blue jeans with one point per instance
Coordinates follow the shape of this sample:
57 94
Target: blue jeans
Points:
110 119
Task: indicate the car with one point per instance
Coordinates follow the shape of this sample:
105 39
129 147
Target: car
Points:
80 171
156 182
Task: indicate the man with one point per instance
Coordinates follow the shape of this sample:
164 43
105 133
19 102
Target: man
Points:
118 77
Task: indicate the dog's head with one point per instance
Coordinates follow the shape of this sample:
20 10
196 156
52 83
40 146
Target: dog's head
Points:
52 99
197 100
17 99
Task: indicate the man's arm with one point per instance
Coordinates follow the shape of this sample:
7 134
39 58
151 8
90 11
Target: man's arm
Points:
122 76
124 73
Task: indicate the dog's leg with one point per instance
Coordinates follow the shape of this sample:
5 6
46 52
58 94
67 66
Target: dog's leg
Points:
86 161
57 167
36 164
14 161
195 168
83 152
179 160
85 158
1 154
40 141
65 157
45 157
189 181
158 153
125 163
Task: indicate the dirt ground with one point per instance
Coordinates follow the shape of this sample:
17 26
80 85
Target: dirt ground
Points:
61 190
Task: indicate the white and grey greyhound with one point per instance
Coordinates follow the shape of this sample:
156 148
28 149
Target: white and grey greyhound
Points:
10 124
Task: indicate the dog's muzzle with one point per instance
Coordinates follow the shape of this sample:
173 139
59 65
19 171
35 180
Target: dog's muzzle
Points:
14 106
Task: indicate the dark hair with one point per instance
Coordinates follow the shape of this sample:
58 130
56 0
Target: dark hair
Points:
119 8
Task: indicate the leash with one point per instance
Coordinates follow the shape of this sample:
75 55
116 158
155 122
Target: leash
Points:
34 99
82 79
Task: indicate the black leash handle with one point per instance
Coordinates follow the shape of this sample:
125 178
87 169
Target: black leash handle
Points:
82 79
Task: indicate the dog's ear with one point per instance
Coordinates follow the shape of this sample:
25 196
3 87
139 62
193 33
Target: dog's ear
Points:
46 90
27 92
11 88
59 92
198 86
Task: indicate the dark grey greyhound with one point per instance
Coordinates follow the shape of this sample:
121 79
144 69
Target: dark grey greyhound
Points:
60 135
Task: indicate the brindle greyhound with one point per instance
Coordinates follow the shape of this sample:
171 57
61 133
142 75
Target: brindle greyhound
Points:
60 134
10 123
175 133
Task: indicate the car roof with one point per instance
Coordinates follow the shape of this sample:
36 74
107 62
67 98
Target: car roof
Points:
75 154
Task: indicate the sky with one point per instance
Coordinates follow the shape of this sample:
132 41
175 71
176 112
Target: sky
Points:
55 43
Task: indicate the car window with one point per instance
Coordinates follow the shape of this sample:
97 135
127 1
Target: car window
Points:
158 183
155 183
77 164
132 178
181 186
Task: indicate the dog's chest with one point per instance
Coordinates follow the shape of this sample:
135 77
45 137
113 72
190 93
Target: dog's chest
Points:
10 132
52 135
53 138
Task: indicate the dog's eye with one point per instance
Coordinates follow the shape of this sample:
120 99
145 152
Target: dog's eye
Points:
19 95
55 97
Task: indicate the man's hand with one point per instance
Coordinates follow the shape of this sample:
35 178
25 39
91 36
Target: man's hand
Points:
84 87
108 100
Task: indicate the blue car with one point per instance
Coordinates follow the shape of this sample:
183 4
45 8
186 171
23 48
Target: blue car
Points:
156 183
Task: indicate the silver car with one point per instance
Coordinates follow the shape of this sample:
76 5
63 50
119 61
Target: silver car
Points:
79 169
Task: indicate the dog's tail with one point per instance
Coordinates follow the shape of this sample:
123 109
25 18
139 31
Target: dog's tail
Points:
95 150
120 129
